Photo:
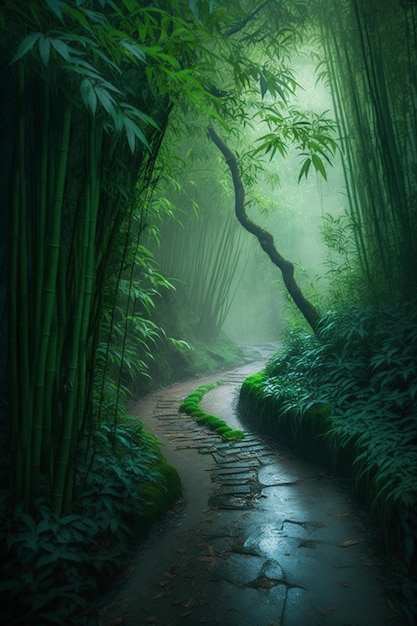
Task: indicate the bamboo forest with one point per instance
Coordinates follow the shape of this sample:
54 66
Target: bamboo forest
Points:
184 182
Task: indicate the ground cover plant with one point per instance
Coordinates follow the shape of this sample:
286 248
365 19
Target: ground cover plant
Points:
55 567
191 406
349 395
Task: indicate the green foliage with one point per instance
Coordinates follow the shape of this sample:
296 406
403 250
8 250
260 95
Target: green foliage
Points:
128 333
171 361
191 406
352 392
91 87
347 284
372 88
313 135
53 566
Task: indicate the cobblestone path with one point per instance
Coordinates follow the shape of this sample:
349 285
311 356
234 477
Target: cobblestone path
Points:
262 538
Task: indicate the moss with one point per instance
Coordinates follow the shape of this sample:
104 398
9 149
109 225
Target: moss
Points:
191 406
160 495
265 410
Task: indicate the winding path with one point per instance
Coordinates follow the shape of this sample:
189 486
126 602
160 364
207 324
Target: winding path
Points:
261 538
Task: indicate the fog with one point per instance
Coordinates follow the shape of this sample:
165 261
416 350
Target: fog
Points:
232 284
261 309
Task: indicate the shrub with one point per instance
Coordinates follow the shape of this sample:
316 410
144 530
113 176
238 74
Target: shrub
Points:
52 568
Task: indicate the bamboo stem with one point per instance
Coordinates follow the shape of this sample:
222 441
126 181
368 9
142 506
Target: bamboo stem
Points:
42 394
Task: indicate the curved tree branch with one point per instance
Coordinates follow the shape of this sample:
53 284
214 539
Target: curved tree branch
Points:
266 240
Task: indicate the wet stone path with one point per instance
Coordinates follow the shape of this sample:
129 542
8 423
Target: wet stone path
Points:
261 538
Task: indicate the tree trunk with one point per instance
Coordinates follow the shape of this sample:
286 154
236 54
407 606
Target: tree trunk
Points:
308 310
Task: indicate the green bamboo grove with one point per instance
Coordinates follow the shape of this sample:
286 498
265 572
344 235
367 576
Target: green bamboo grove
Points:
85 143
370 52
57 225
203 245
90 91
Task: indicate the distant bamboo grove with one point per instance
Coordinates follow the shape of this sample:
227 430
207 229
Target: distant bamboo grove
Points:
371 59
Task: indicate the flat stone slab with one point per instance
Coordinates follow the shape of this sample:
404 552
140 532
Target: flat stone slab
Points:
235 489
271 475
237 462
230 502
240 569
237 468
235 479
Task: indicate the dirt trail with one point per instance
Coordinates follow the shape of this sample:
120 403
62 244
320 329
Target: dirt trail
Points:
261 538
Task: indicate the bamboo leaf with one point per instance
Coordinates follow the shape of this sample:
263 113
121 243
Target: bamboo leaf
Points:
135 50
56 7
133 132
88 95
318 165
106 100
44 49
194 9
26 45
262 83
62 48
305 169
130 133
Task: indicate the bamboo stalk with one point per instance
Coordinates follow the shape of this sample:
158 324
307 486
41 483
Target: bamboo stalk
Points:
41 393
74 398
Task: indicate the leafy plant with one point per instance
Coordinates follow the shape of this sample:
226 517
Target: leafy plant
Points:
53 566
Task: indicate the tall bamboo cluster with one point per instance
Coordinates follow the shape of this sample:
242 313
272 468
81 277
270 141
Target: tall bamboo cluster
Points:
50 282
83 148
371 53
202 246
59 247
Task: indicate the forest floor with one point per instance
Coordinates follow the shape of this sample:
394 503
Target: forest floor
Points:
260 537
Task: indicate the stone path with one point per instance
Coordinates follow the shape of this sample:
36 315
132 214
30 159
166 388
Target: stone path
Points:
262 538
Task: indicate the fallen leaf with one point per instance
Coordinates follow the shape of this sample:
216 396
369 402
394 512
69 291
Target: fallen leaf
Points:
323 475
345 514
161 583
327 610
183 615
349 542
159 595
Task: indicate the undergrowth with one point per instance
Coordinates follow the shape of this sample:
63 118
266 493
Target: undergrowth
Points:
53 568
349 395
191 406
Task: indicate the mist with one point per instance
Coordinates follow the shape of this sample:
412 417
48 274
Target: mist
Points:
254 303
